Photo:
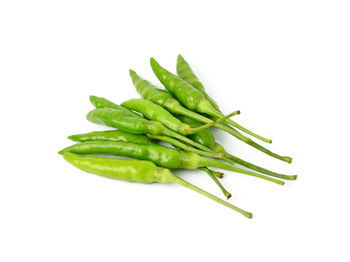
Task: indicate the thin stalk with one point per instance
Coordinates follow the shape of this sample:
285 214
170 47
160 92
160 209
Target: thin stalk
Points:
184 183
258 168
173 134
233 123
184 147
217 114
213 123
215 163
230 130
268 152
211 174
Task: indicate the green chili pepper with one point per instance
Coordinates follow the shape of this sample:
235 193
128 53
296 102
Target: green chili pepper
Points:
158 154
120 136
163 98
155 112
195 90
153 127
184 71
111 135
123 119
194 100
137 171
206 138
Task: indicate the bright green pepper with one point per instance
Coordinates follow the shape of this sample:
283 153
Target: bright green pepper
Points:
120 136
194 100
163 98
158 154
155 112
137 171
122 119
111 135
184 71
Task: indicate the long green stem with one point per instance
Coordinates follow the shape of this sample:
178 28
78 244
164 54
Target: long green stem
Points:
221 165
233 123
211 174
257 146
217 114
184 183
268 152
173 134
232 131
206 126
258 168
181 145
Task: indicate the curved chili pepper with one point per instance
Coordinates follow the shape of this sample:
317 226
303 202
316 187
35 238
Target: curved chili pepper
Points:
139 171
120 136
184 71
111 135
123 119
100 102
155 112
194 100
160 155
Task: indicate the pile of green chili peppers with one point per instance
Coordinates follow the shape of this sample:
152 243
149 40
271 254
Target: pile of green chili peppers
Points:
179 115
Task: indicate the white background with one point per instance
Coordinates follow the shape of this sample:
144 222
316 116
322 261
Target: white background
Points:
284 64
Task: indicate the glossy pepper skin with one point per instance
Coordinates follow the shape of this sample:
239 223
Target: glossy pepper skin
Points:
100 102
205 137
122 119
158 154
120 136
194 100
155 112
123 169
184 71
111 135
139 171
158 96
163 98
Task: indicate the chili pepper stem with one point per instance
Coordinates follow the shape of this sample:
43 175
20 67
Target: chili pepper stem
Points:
184 183
257 168
168 132
233 123
268 152
254 144
221 165
212 175
185 112
204 106
206 126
